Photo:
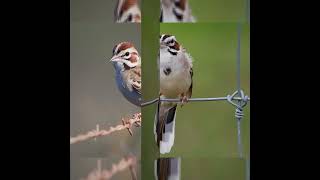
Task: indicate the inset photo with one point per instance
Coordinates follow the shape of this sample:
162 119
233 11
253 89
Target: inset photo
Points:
105 93
191 11
127 11
204 90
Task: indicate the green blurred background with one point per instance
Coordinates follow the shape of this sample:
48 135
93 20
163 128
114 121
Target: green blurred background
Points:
209 129
150 83
220 10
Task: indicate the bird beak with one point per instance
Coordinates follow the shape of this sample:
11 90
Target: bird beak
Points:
114 59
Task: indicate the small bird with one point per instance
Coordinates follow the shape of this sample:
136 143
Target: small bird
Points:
127 11
175 67
175 11
127 64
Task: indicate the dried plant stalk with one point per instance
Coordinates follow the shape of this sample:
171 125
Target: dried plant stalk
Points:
128 162
126 124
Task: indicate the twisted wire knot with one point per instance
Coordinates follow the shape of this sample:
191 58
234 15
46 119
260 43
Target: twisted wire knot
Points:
239 113
239 104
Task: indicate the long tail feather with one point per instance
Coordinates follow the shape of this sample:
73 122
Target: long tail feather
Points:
165 127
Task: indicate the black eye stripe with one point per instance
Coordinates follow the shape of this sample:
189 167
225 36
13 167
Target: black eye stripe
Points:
171 41
114 49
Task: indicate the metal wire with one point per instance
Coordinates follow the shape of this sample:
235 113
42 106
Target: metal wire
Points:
190 100
239 110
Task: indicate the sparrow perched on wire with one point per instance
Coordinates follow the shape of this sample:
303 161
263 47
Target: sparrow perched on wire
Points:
175 11
127 64
175 67
127 11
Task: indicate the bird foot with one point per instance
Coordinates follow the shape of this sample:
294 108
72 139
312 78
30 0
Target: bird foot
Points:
184 100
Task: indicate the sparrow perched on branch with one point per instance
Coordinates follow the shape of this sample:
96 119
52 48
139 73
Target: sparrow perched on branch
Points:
127 11
175 11
175 67
127 64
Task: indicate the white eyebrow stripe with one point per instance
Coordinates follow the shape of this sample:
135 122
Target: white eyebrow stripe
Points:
116 49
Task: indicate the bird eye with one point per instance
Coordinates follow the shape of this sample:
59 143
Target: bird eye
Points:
127 54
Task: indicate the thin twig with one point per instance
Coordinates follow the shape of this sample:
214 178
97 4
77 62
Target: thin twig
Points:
126 124
98 174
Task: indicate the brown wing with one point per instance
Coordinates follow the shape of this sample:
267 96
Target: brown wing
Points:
189 93
135 76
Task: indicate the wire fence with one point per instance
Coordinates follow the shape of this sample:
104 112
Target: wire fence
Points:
237 99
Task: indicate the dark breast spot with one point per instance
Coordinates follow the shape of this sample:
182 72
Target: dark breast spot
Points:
167 71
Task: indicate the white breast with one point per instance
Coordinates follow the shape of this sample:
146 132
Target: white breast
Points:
179 79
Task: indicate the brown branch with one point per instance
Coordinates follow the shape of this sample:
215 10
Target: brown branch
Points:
128 162
126 124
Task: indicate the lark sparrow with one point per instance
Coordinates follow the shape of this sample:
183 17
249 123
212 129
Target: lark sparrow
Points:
175 67
127 64
127 11
175 11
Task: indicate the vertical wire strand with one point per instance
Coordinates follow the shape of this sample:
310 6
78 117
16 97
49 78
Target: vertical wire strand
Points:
248 156
239 137
238 56
239 86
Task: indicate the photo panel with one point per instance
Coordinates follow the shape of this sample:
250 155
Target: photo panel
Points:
209 128
205 61
198 11
105 93
154 99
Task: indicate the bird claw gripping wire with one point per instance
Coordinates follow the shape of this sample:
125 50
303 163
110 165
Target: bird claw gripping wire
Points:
240 103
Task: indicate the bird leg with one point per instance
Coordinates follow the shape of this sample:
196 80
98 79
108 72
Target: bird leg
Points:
183 99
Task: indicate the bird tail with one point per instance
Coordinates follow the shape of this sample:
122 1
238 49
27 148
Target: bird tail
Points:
164 128
167 168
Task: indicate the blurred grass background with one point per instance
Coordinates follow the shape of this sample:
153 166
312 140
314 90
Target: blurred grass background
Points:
220 10
150 83
209 129
213 168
